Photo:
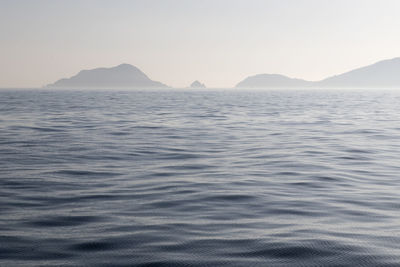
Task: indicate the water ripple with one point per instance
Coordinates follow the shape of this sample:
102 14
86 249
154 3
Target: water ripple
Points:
199 178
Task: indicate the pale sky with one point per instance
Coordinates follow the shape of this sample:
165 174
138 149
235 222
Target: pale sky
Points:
218 42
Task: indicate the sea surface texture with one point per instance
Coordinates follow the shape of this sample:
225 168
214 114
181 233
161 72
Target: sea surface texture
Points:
199 178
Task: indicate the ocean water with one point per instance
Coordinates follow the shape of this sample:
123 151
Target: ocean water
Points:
199 178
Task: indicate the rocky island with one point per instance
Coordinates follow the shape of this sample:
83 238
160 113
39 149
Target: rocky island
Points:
197 84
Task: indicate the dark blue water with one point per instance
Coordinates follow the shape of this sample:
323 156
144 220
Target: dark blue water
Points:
199 178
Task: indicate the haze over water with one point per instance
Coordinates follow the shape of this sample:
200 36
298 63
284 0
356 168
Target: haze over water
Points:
199 178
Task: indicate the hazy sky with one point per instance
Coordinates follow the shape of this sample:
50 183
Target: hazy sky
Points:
218 42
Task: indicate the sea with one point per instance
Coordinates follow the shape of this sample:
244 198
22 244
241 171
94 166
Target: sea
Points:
199 177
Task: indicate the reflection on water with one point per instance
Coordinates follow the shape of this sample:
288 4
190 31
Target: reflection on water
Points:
199 178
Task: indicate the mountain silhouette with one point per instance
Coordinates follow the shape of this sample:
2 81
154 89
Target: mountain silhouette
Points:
272 81
384 73
121 76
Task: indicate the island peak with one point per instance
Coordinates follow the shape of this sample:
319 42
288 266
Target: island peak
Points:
120 76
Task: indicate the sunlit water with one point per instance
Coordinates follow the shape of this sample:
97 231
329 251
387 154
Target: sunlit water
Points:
199 178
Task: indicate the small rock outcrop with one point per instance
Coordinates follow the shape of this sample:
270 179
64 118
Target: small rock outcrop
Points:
197 84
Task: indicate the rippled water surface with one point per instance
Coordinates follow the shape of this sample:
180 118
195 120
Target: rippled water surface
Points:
199 178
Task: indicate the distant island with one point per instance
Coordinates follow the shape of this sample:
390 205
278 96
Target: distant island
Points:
384 73
121 76
197 84
272 80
